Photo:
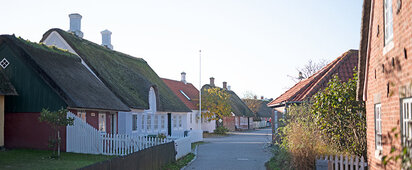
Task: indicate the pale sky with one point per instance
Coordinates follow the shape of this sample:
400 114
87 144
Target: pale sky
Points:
251 44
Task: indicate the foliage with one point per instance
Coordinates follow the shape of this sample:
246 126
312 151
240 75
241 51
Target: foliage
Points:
340 117
161 136
302 138
216 102
40 159
179 164
253 104
281 159
221 130
56 120
397 153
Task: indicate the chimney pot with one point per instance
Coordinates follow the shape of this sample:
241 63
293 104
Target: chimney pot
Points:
229 87
183 75
261 97
212 81
75 24
107 39
225 85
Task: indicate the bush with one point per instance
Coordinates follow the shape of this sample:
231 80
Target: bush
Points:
281 160
221 130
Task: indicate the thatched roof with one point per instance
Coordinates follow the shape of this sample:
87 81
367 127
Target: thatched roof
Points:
65 74
239 108
363 48
6 88
264 110
342 67
130 78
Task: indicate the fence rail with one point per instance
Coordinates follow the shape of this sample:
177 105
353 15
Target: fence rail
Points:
83 138
341 162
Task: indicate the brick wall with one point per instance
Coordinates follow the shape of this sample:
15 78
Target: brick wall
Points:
229 123
387 69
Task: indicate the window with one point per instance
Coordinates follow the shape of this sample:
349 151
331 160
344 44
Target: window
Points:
156 122
184 94
388 18
102 122
4 63
174 121
149 122
134 122
407 121
191 117
197 118
82 115
162 119
143 122
180 121
378 127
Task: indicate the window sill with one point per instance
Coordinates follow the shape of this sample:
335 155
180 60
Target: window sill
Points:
388 48
378 154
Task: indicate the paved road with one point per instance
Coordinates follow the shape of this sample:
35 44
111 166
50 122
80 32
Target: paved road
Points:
240 150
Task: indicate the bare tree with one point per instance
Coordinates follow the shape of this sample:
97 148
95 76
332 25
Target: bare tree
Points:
308 70
250 99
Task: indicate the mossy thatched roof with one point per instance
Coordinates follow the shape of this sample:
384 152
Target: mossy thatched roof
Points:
239 108
65 74
130 78
6 88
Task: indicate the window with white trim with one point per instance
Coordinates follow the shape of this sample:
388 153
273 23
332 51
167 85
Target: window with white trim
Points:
378 127
156 122
82 115
102 122
388 19
149 122
134 122
191 118
174 121
180 121
162 119
143 119
407 121
197 118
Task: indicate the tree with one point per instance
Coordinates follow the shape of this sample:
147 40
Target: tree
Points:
252 102
216 102
308 70
340 116
56 120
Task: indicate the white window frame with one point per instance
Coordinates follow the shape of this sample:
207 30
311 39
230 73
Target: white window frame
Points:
102 122
134 122
180 121
191 118
149 122
388 21
82 115
174 121
143 123
162 119
156 122
406 121
378 127
197 118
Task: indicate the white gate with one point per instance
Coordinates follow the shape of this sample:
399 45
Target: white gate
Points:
81 137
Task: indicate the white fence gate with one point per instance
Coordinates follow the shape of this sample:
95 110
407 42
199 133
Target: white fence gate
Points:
341 162
83 138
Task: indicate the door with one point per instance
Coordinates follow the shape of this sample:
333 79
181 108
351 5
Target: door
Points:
169 124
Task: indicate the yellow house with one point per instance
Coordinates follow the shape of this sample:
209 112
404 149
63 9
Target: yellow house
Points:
6 88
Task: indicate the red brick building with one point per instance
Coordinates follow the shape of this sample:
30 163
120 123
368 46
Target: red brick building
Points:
385 74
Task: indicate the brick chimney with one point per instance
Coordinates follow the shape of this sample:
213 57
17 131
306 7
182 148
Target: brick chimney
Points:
212 81
225 85
183 75
75 24
261 97
107 39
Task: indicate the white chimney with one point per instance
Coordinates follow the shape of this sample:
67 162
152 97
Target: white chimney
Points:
75 24
183 74
107 39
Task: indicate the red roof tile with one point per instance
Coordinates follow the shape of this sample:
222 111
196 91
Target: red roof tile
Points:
342 66
188 89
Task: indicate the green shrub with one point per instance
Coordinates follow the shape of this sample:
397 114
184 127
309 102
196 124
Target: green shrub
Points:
221 130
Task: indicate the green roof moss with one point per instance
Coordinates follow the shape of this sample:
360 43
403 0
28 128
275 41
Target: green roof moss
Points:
130 78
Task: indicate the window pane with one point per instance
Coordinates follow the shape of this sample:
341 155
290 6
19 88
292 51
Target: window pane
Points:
143 120
156 122
149 122
134 122
102 122
180 121
174 121
163 122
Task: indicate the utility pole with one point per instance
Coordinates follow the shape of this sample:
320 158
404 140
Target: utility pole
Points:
200 83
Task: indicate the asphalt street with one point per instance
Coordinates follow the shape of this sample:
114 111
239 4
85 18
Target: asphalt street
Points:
239 150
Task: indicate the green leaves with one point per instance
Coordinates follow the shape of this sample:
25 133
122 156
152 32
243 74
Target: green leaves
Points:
216 102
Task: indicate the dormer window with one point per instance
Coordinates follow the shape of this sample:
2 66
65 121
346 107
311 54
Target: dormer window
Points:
184 94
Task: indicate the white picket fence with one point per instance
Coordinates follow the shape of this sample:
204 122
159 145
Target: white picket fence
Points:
344 162
83 138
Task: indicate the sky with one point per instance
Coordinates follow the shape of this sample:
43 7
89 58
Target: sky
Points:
251 44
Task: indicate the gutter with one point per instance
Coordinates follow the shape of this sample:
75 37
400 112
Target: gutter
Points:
365 85
284 103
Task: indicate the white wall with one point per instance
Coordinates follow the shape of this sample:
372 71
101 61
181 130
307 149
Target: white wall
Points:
208 126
